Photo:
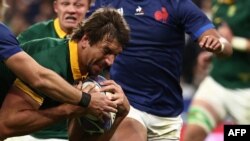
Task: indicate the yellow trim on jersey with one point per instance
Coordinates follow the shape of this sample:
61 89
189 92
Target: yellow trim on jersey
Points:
18 83
226 1
74 61
58 29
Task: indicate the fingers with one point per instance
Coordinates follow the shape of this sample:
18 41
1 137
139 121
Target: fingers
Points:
111 107
115 100
210 43
110 86
78 85
101 102
88 87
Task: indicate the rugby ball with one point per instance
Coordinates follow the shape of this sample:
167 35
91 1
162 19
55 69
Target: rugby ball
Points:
91 123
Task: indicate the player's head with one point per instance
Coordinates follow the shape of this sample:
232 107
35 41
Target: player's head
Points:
100 38
70 13
3 7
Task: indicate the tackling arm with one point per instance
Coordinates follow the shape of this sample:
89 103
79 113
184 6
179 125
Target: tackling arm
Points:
43 79
20 114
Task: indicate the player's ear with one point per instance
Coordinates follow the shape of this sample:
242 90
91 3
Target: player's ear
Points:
55 6
84 41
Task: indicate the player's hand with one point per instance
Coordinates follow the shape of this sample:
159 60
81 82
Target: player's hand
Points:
100 105
210 43
117 96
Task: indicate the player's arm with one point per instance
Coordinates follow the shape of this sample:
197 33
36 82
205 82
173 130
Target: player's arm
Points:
212 41
20 114
43 79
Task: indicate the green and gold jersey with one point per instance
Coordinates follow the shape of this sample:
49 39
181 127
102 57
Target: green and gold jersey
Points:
59 55
233 72
40 30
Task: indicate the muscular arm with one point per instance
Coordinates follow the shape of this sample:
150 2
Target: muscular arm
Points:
42 79
20 114
211 41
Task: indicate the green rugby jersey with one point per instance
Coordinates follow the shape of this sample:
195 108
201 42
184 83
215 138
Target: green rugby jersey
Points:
233 72
59 55
40 30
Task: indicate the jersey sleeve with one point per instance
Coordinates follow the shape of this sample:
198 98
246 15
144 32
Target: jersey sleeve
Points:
24 36
194 21
28 91
8 43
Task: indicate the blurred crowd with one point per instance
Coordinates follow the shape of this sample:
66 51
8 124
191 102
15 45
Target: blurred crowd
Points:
23 13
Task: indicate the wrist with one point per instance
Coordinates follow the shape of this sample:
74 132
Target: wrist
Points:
85 100
222 43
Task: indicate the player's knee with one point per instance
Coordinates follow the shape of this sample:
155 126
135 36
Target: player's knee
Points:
202 118
194 133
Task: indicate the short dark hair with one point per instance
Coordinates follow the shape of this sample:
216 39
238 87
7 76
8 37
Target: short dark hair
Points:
105 22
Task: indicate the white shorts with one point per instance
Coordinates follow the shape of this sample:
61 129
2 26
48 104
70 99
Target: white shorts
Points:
158 128
31 138
234 103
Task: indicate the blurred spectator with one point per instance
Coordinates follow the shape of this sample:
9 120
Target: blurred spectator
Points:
18 23
23 13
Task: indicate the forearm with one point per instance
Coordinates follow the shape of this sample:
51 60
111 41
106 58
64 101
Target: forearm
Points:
57 88
43 79
28 121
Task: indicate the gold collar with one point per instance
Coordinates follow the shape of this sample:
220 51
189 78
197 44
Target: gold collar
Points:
74 61
58 29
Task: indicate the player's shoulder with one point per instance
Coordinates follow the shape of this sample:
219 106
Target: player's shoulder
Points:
42 24
5 31
38 27
3 27
7 37
37 30
47 40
